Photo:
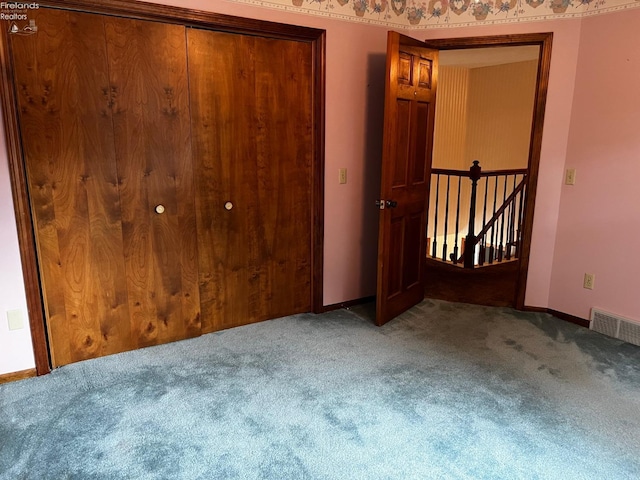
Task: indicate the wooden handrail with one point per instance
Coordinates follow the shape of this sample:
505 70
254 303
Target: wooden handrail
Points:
496 173
484 173
487 226
447 171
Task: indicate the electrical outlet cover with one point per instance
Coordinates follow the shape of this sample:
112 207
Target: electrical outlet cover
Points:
589 280
14 318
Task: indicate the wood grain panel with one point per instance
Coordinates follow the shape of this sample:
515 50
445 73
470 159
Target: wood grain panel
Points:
403 143
411 250
493 285
422 150
23 214
150 101
396 244
218 68
280 229
405 70
425 66
61 77
252 131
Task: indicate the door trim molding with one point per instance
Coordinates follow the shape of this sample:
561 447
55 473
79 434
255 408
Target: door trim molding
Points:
544 41
188 18
24 220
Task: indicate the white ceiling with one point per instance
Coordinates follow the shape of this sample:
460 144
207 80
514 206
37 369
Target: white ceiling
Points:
484 57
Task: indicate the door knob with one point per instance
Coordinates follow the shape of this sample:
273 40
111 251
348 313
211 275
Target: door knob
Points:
382 204
228 206
159 209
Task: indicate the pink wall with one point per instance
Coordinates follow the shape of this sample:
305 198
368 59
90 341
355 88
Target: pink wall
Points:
599 223
566 37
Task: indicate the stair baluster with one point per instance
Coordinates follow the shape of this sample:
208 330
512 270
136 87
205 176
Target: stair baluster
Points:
434 251
483 245
504 201
454 255
446 222
520 218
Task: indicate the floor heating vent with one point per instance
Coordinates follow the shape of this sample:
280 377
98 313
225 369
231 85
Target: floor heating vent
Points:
615 326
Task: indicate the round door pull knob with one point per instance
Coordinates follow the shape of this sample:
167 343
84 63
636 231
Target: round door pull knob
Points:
228 206
159 209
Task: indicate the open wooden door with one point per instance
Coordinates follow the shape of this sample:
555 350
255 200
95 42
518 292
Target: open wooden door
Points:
410 94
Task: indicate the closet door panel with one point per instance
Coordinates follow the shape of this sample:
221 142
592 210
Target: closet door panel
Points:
280 201
151 117
62 79
252 140
221 75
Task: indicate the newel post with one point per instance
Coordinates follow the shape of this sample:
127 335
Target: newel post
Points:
470 243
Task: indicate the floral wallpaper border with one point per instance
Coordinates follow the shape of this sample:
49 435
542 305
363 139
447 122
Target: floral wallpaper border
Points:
419 14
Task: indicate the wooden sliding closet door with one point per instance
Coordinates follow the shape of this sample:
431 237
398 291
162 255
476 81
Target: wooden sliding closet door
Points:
62 82
149 98
253 143
105 125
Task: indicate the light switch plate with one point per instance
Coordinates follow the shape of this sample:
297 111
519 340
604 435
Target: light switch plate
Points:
342 175
570 176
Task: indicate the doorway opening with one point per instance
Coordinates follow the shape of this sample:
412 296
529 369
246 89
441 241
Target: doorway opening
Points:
488 132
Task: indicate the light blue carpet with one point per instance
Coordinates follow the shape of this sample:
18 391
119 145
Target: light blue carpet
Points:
445 391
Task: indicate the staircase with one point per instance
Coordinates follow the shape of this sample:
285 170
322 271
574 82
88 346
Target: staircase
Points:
465 201
463 265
